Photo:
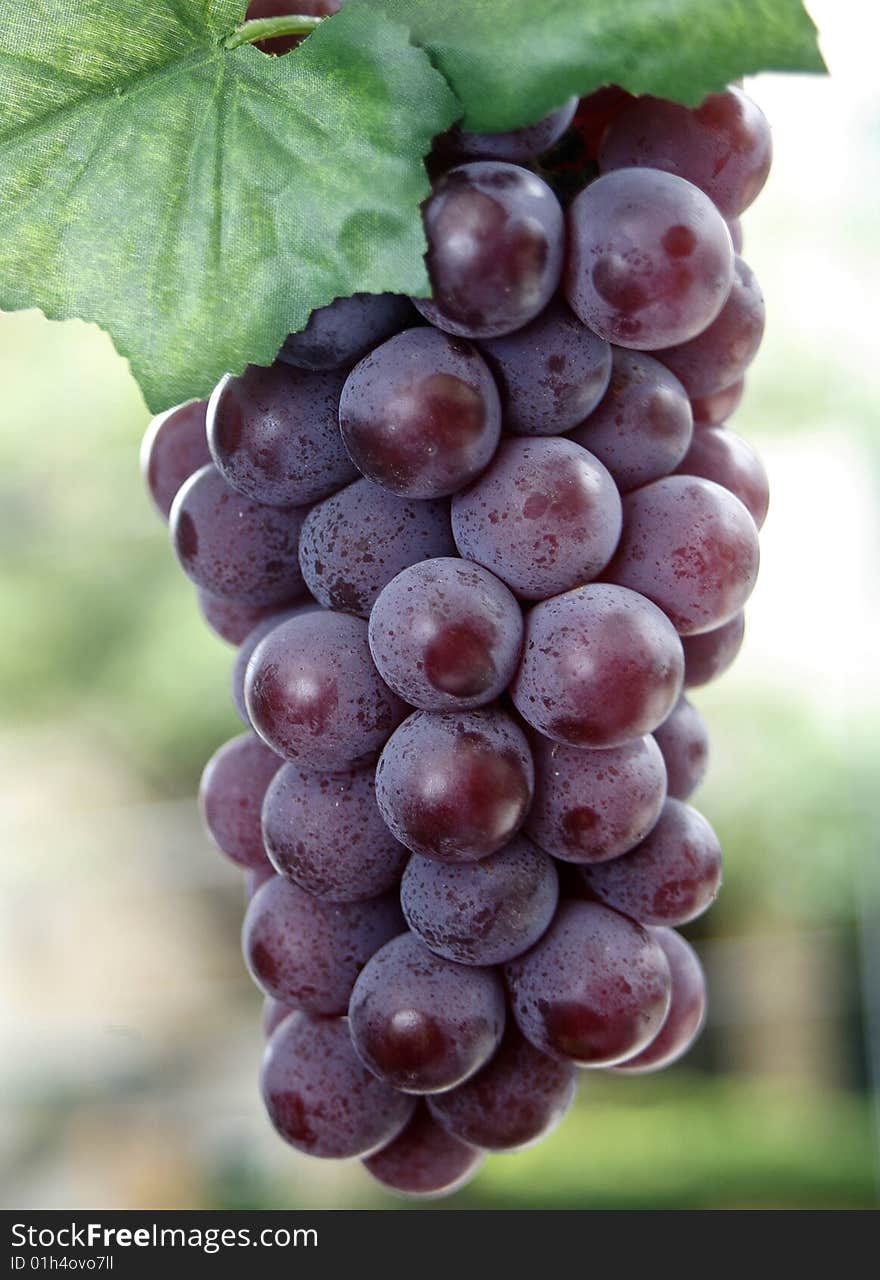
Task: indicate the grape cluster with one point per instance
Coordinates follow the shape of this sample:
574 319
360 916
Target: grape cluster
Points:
473 551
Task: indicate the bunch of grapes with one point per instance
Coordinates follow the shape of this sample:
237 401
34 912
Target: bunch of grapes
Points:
474 550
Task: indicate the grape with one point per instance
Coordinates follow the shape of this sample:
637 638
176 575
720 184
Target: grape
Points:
708 656
313 694
324 831
687 1011
723 456
643 426
455 786
357 541
734 226
672 877
320 1098
513 1102
495 247
544 517
231 797
551 373
691 547
174 447
601 666
424 1161
571 164
720 355
446 634
231 621
307 953
596 112
516 145
594 991
274 1013
234 547
650 259
420 415
255 878
481 912
684 741
723 146
712 411
421 1023
593 805
339 335
274 435
249 643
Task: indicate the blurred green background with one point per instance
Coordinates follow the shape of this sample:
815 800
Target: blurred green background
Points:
130 1031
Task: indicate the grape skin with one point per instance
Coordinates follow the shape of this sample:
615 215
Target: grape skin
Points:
721 455
712 411
691 547
231 794
455 786
594 991
544 517
593 805
687 1010
308 953
249 643
319 1096
601 666
314 696
339 335
354 543
483 912
495 246
642 428
672 877
650 260
517 1099
233 547
231 621
708 656
683 739
446 634
274 435
324 831
550 374
174 447
274 1013
420 415
424 1160
421 1023
515 145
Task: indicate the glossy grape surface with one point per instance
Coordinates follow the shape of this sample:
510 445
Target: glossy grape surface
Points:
249 643
231 621
714 410
709 655
515 145
174 447
424 1160
231 797
687 1011
339 335
719 454
683 739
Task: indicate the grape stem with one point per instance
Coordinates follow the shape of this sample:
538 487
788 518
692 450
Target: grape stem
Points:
268 28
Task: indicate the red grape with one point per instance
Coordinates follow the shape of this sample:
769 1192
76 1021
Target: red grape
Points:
424 1160
712 411
723 456
687 1010
708 656
683 739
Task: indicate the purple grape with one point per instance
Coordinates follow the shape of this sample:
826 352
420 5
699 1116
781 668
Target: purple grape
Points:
687 1011
643 427
313 694
720 355
691 547
650 259
593 805
517 145
712 411
174 448
321 1098
231 621
672 877
249 643
339 335
550 374
255 878
308 953
455 786
421 1023
516 1100
274 1013
723 456
495 247
446 634
723 146
324 831
233 547
595 113
483 912
594 991
601 666
420 415
424 1160
683 739
231 797
708 656
274 435
354 543
544 517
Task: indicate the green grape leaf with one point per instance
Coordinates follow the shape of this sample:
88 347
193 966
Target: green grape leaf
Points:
512 61
198 202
